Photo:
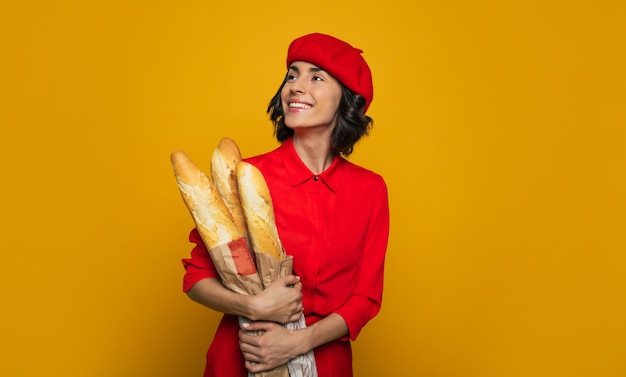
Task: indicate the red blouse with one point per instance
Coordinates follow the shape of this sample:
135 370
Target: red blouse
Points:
336 227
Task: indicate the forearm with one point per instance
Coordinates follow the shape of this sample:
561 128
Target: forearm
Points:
211 293
276 345
324 331
280 302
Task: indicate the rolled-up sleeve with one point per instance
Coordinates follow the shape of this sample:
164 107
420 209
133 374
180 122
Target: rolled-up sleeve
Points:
199 266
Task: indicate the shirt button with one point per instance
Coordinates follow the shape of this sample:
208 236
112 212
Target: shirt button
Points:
316 178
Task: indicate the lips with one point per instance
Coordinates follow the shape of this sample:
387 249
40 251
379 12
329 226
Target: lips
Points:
298 105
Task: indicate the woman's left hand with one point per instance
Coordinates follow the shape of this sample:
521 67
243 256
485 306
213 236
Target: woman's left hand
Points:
274 346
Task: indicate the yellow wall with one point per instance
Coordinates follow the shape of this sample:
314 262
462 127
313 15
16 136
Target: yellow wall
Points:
499 127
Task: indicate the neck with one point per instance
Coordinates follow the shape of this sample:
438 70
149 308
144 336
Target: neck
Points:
314 151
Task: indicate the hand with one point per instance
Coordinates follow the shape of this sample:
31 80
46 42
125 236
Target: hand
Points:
274 346
280 302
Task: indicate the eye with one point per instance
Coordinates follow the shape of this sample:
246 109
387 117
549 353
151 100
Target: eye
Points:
291 77
317 78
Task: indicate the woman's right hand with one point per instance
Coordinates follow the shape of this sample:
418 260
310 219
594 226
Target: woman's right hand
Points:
280 302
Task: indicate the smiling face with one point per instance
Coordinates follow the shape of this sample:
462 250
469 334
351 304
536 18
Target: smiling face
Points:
310 97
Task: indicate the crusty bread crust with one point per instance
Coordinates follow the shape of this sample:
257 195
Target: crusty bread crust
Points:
208 210
258 211
223 170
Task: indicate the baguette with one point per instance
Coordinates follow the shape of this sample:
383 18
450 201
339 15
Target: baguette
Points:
258 210
223 165
211 216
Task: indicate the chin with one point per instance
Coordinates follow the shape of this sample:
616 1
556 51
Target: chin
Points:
293 125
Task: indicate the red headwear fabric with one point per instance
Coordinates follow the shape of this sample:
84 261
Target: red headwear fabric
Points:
336 57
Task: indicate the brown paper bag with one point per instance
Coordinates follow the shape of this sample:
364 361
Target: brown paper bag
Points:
270 269
234 263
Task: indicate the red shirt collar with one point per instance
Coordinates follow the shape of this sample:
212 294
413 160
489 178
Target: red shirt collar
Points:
299 173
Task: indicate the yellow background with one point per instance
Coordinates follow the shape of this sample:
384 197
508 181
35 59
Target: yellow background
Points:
499 127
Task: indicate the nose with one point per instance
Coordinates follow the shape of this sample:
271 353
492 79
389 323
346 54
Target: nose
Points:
297 87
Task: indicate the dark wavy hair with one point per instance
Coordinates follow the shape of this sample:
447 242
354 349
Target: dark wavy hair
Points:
352 123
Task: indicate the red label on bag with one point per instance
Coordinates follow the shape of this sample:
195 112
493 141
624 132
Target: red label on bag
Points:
242 257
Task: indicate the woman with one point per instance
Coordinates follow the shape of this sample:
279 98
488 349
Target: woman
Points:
332 217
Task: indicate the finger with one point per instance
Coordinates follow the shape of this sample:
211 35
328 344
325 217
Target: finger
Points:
257 326
255 367
291 280
299 308
252 361
250 340
249 352
296 316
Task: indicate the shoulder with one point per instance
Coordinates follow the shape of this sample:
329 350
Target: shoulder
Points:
368 182
263 158
270 164
361 174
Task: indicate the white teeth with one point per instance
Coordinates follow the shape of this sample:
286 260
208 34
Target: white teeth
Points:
299 105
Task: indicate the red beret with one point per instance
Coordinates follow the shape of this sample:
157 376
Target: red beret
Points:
336 57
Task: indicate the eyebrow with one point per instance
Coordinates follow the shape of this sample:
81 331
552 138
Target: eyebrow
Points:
312 69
